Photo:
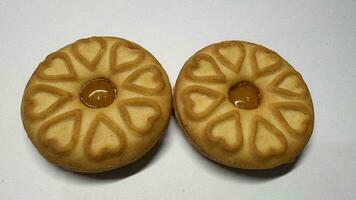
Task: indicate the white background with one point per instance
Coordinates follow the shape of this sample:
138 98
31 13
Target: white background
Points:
317 37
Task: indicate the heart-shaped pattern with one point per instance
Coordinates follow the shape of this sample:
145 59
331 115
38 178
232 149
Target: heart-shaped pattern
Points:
142 103
231 54
63 97
142 88
195 64
117 66
221 140
268 143
67 72
56 145
188 103
304 118
87 58
299 85
105 151
264 61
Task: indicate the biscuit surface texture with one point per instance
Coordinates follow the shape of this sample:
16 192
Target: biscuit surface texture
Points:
97 104
270 122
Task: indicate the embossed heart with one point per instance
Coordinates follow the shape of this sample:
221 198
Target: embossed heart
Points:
294 116
104 139
265 61
189 104
229 137
124 55
288 84
139 82
231 54
89 51
61 98
60 66
145 122
61 142
266 140
203 67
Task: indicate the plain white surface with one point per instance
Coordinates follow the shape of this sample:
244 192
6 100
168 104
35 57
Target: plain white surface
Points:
317 37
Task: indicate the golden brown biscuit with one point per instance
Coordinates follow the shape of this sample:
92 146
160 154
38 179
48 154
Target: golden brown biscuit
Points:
97 104
242 105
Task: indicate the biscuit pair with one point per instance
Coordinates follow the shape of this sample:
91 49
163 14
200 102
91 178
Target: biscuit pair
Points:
103 102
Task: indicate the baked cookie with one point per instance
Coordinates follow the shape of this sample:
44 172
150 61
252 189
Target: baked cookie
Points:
242 105
97 104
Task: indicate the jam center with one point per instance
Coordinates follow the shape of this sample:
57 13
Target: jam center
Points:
98 93
245 95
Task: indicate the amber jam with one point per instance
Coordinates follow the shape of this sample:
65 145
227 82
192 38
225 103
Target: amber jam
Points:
98 93
245 95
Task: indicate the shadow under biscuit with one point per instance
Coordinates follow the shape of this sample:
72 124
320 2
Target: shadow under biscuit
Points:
135 167
116 174
246 175
263 174
130 169
277 171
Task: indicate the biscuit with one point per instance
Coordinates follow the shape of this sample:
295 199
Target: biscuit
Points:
97 104
242 105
